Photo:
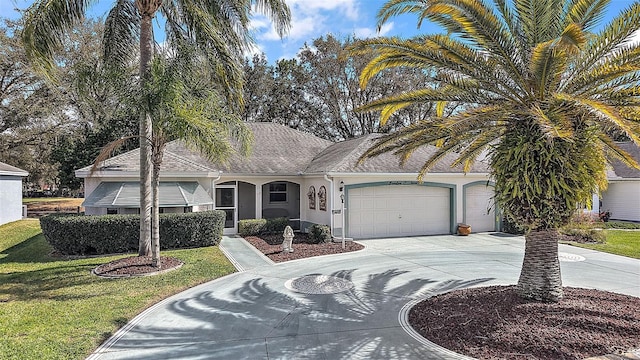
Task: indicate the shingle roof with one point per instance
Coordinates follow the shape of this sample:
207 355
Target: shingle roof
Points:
6 169
172 161
343 157
277 149
623 171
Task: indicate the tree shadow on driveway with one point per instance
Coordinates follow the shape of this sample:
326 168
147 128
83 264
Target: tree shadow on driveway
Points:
255 321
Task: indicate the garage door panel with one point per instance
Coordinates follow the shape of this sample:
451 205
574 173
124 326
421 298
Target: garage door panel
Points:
398 210
480 210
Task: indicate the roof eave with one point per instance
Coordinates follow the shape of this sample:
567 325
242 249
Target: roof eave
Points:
14 173
136 174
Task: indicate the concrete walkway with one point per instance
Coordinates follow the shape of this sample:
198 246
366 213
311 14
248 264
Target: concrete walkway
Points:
253 315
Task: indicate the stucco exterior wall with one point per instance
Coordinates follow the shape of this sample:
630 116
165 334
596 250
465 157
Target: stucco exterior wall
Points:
622 199
10 199
458 180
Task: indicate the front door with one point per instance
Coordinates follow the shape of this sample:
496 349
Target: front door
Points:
226 201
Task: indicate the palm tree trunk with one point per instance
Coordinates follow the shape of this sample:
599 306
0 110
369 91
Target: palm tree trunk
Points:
145 140
540 274
155 224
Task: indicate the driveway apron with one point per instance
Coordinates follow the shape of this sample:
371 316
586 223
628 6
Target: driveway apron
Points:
347 306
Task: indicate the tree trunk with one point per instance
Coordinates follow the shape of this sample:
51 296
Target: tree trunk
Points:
540 274
158 151
155 225
145 139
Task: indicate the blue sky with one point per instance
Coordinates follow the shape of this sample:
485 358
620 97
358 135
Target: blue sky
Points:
312 19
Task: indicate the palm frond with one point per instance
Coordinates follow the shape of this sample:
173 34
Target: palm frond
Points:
46 23
602 112
616 33
107 151
121 34
586 13
469 155
613 151
393 103
217 41
620 65
278 12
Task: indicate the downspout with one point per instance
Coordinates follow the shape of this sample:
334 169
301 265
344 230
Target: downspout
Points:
330 180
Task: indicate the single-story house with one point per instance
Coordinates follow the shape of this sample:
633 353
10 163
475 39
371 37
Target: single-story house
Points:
622 196
309 180
10 193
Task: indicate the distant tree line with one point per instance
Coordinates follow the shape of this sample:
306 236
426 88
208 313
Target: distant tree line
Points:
52 130
318 91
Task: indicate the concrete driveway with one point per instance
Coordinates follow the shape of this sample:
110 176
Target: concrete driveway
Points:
269 311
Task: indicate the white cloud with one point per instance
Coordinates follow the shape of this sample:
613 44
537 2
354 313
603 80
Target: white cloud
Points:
301 28
345 7
365 32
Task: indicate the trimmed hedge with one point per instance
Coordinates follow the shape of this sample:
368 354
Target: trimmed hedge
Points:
252 227
108 234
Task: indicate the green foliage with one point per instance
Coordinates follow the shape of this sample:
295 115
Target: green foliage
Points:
320 233
585 227
317 91
535 87
109 234
54 308
537 182
251 227
276 225
511 227
622 225
540 89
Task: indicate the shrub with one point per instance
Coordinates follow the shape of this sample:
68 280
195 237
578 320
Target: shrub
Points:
276 225
584 227
320 233
510 227
108 234
585 234
251 227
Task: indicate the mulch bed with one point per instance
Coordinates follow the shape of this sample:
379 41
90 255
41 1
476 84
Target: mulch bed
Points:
136 266
271 246
495 323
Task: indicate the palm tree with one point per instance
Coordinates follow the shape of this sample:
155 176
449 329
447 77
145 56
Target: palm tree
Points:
184 105
219 29
538 91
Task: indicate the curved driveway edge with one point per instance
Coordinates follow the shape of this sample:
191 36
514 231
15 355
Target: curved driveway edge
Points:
252 315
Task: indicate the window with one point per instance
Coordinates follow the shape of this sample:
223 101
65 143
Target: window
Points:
312 197
278 192
112 211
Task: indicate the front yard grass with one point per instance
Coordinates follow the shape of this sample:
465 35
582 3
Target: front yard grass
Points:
54 308
619 242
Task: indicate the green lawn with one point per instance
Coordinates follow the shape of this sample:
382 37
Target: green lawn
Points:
620 242
43 199
52 308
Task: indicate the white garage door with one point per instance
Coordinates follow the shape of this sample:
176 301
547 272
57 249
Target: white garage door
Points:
398 210
480 212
